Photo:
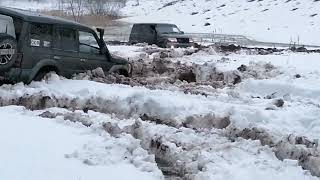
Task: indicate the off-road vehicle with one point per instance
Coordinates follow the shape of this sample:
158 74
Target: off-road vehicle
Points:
31 45
163 35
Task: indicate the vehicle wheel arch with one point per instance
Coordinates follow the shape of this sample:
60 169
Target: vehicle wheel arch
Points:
46 65
119 69
123 72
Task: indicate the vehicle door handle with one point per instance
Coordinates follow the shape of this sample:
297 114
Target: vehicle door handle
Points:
83 60
56 57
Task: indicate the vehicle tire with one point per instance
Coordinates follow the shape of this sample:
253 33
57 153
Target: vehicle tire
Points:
43 75
8 51
122 72
40 75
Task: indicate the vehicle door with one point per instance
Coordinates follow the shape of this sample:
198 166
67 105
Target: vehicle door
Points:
134 35
40 41
90 53
66 50
148 34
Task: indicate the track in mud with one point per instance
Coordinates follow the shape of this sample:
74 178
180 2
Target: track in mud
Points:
160 72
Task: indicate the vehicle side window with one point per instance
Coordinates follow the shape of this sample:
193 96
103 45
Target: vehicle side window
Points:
41 35
136 29
147 29
88 43
66 39
6 25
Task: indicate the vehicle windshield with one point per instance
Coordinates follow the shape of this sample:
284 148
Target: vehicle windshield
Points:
6 25
168 29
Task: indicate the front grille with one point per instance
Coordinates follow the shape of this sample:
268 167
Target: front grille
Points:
183 40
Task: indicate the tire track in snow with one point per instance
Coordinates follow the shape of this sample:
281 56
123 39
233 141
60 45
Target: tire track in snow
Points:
179 158
308 158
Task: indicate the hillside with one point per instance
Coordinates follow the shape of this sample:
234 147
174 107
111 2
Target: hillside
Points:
264 20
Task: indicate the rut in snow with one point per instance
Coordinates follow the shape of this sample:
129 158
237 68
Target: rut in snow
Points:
308 157
179 159
305 151
164 74
165 156
300 150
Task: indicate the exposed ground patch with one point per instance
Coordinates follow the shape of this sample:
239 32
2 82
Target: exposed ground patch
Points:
161 73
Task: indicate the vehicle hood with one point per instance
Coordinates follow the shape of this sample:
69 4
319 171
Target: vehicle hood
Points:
175 36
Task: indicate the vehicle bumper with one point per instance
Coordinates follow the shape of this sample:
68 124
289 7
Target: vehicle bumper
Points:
16 75
12 75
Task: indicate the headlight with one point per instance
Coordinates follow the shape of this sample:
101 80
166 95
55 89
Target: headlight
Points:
172 39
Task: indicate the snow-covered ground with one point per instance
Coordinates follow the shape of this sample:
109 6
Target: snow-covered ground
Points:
31 5
188 114
81 129
35 148
284 21
40 147
267 20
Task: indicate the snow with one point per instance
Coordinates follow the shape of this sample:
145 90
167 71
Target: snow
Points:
221 159
268 20
236 160
301 94
35 148
30 5
132 52
75 151
81 129
177 105
294 21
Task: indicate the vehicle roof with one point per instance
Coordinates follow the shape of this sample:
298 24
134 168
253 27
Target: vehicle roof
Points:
37 17
153 24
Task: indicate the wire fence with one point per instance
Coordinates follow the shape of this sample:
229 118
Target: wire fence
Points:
209 38
200 38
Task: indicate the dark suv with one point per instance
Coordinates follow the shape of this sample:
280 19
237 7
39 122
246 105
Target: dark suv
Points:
31 45
163 35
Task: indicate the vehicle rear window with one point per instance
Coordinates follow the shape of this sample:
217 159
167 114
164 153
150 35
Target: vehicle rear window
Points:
66 39
6 25
41 35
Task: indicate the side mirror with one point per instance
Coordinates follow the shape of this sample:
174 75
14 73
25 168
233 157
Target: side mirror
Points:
182 32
